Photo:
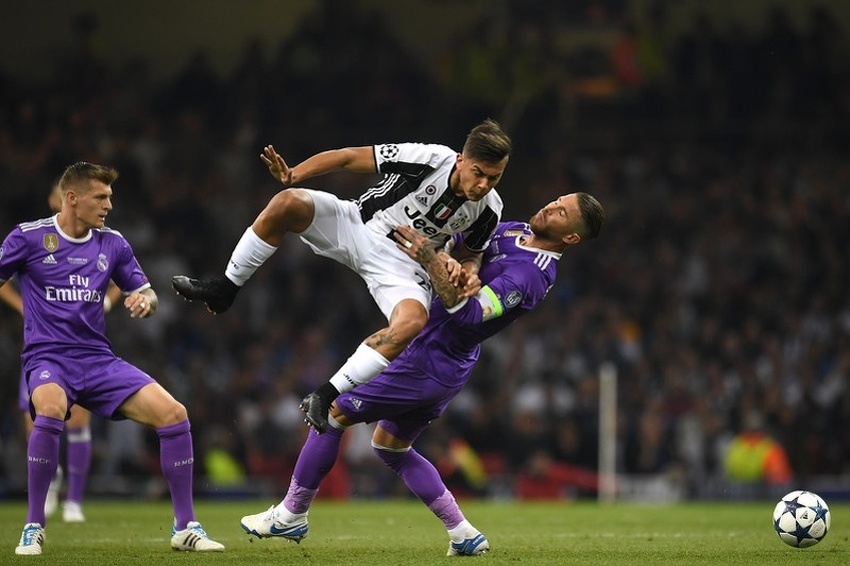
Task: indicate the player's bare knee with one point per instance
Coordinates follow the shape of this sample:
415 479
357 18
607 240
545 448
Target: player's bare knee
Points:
407 327
290 210
176 413
52 410
49 400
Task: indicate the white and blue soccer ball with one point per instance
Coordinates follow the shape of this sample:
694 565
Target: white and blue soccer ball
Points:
801 518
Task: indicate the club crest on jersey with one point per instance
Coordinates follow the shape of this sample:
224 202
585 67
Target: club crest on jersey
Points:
102 262
51 242
389 151
1 252
459 221
513 299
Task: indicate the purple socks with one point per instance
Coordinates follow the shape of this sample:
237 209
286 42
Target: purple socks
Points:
42 460
79 462
177 461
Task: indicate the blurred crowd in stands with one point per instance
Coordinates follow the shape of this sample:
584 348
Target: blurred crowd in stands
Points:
720 286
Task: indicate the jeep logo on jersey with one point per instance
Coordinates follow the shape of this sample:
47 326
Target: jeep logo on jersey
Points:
389 152
51 242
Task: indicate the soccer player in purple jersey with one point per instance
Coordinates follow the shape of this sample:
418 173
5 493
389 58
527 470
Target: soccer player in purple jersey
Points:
519 266
64 264
78 425
431 187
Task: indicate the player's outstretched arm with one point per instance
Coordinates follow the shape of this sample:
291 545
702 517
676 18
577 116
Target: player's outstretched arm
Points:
354 159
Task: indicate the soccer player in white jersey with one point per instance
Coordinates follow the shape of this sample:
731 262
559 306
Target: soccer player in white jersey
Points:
430 187
64 264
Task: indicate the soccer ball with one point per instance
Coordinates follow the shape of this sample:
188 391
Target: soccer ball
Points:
801 519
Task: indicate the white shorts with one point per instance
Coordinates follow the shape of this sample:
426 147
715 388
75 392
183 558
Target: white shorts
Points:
338 232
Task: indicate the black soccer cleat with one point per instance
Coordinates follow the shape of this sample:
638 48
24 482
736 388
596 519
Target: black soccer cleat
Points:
217 294
315 409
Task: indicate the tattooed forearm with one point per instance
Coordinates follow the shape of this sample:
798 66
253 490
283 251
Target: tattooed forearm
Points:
437 269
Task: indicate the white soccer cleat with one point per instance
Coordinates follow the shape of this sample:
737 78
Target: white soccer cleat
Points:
32 540
72 512
193 539
51 503
472 546
268 524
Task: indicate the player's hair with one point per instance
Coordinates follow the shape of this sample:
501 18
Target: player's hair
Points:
592 216
487 142
81 172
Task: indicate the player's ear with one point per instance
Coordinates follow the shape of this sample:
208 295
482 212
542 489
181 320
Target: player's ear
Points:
572 238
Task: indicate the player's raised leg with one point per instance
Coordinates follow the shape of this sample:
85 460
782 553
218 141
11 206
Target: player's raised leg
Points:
290 210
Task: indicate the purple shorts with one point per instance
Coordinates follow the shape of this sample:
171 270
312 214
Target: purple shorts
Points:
99 382
403 400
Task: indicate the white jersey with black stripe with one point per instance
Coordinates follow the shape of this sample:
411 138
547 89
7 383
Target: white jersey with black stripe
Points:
414 191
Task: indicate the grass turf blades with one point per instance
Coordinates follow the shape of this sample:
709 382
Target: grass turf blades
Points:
396 532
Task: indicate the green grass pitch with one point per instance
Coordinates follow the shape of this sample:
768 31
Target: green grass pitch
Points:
396 532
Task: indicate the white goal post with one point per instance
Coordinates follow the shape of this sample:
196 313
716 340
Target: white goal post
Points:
607 431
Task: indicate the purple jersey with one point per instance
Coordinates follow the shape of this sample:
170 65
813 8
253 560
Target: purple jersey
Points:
418 385
514 279
63 281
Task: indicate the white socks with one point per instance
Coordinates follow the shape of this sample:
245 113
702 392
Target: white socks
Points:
364 364
249 254
463 531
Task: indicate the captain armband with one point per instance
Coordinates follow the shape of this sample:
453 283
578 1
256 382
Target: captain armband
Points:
491 306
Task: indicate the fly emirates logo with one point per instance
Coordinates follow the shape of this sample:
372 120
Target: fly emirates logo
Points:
77 290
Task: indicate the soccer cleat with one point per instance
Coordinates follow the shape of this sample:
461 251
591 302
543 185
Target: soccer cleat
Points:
217 294
469 547
51 503
193 539
72 512
32 539
315 409
268 524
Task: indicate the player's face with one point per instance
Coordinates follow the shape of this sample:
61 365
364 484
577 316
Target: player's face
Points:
559 220
477 178
92 204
